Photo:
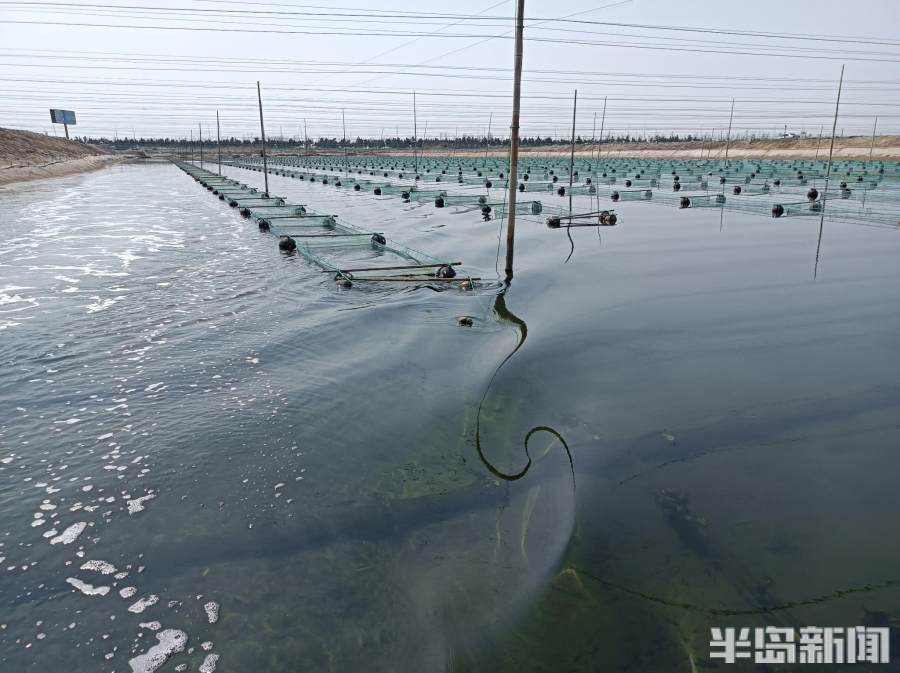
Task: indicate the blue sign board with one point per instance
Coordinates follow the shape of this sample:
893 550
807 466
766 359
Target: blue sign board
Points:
62 117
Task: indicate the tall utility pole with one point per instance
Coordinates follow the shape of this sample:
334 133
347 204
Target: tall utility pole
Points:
219 141
572 158
262 130
872 146
200 141
728 141
514 140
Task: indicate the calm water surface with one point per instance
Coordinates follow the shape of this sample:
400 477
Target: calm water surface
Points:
198 433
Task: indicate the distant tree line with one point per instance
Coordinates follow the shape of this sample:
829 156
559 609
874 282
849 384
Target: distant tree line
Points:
467 141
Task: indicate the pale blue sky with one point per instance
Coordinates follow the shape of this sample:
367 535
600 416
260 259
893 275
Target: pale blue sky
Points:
163 82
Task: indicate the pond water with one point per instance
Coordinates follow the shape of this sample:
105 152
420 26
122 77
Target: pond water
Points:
208 450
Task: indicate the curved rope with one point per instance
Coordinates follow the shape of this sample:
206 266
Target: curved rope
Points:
505 314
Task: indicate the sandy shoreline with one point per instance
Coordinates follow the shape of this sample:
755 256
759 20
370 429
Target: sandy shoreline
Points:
57 168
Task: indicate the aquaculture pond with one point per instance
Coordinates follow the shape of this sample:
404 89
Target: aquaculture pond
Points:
212 457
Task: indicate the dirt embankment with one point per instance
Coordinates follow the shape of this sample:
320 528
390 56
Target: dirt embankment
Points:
32 156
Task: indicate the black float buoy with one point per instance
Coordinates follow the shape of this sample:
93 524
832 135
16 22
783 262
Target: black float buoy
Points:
685 202
377 191
812 194
486 210
778 182
488 184
521 186
379 239
628 183
587 181
287 244
445 272
561 191
555 178
263 225
356 187
342 281
777 210
614 196
465 321
439 202
611 219
404 196
245 212
722 180
554 222
676 186
737 189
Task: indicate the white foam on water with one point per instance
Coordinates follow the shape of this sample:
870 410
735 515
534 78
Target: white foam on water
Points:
70 534
153 626
207 646
212 611
209 664
137 504
101 567
87 589
171 641
127 592
142 604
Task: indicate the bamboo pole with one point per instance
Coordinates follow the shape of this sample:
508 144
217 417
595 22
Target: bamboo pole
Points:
415 136
514 140
837 106
728 140
600 139
200 130
219 141
872 146
262 130
572 156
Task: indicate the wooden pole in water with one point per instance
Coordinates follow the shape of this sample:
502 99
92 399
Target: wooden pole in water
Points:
872 146
200 141
192 145
572 156
514 140
219 141
305 139
728 141
594 134
415 136
819 143
837 106
262 130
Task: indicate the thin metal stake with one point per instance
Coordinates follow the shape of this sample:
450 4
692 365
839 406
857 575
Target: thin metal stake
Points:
262 129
